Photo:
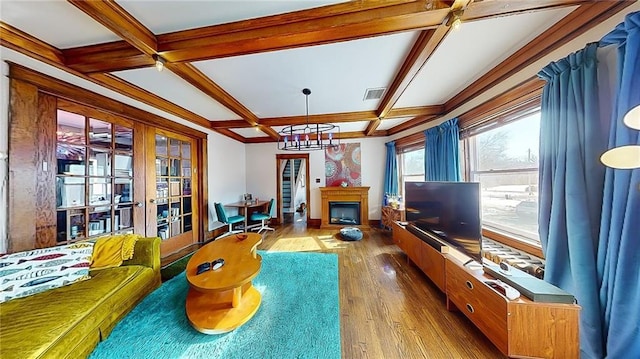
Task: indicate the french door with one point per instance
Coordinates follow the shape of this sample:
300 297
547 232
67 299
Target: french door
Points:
171 189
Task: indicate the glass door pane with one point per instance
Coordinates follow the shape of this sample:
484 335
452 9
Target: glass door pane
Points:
94 178
172 192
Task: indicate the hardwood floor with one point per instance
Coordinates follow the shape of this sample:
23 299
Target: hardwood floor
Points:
388 307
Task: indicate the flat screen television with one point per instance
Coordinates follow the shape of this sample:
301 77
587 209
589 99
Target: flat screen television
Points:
449 210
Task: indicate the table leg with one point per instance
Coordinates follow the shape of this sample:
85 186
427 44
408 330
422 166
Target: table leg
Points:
237 297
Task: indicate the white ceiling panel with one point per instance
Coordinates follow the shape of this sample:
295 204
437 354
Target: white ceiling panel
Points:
42 19
358 126
169 16
249 132
393 122
270 84
468 53
174 89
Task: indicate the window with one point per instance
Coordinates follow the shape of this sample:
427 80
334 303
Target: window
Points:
411 167
505 161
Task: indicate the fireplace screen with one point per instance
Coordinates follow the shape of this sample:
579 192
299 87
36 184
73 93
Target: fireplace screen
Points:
344 212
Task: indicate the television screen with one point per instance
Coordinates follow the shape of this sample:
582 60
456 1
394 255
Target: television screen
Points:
450 210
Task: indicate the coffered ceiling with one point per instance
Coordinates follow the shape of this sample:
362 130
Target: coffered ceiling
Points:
238 67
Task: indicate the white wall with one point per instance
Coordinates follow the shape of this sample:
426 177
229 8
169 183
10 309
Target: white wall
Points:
227 173
262 177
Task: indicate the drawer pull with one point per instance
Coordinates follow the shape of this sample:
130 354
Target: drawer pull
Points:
469 284
469 308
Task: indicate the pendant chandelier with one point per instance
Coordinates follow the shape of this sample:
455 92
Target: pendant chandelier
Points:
308 137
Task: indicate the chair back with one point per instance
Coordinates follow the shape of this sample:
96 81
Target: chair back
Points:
270 208
222 215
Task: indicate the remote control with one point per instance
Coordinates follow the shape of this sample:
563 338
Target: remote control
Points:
504 289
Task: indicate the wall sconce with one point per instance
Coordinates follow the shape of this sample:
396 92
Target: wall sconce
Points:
625 157
455 19
159 62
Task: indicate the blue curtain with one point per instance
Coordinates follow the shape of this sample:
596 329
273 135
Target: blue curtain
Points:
391 171
619 247
441 153
571 179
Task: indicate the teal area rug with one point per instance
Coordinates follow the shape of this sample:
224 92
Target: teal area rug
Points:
299 317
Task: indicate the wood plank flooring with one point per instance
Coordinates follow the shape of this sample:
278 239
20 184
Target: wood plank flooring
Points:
388 307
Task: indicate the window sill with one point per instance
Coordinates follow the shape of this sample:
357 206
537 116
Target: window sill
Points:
503 238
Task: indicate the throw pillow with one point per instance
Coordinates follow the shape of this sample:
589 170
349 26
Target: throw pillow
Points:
110 251
30 272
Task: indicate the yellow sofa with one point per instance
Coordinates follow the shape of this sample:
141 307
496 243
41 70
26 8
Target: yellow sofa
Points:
68 322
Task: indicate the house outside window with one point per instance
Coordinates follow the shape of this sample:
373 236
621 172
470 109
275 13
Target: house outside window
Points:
504 159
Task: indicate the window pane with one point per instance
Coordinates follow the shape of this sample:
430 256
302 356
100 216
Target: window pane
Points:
161 145
174 145
514 145
186 150
99 162
123 138
505 162
413 163
124 166
510 202
70 127
99 133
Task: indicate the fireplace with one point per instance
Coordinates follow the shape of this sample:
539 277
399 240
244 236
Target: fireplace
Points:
345 207
347 213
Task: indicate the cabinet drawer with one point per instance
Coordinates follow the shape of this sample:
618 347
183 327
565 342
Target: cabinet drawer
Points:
486 308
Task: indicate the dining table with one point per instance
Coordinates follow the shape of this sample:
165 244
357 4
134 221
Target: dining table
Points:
245 208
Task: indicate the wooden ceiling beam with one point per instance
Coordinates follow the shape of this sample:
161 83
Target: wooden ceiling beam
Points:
19 41
372 126
415 111
328 24
269 131
202 82
231 134
230 124
423 48
28 45
126 88
577 22
420 120
326 118
120 22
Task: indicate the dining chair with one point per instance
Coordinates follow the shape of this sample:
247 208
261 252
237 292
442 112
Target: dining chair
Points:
263 218
222 217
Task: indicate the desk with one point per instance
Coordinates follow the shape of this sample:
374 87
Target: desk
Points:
243 208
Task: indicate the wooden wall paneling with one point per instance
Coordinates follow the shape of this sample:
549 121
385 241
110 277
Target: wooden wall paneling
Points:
46 169
150 171
93 113
23 157
140 184
61 89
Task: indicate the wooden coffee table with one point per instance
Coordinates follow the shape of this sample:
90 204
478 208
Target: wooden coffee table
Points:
221 300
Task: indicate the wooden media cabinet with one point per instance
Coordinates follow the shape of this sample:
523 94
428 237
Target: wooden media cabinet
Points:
519 328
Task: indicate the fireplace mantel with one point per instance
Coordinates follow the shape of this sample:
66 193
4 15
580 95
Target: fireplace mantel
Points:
345 194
